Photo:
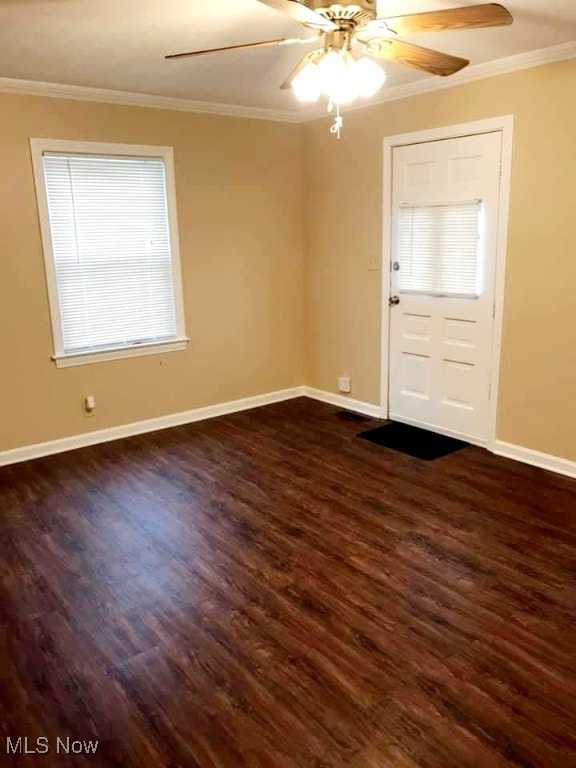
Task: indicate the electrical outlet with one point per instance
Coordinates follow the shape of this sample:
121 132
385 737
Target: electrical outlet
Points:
344 385
89 405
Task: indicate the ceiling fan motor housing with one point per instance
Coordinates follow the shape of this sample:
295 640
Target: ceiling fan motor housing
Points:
347 14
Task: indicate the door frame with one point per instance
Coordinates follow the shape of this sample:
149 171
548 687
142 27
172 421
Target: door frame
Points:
504 124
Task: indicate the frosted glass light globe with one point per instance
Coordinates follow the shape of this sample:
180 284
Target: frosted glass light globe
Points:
368 77
306 84
332 71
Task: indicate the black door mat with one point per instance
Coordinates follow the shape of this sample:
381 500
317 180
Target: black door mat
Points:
420 443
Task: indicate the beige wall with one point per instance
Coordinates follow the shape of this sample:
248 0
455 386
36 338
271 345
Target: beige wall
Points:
343 232
238 188
241 200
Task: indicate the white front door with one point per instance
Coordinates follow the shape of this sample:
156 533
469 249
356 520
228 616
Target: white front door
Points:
445 201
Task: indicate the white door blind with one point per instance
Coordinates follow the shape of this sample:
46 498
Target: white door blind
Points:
439 249
111 249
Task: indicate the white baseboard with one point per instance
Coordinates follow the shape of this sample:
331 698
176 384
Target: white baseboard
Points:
343 401
140 427
536 458
499 447
26 453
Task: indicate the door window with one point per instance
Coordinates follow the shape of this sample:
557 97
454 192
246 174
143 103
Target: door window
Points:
439 249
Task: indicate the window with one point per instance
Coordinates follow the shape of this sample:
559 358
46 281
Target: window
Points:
108 220
439 248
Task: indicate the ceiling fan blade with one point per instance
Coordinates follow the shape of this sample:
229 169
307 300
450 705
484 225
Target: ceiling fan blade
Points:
312 56
299 11
434 62
470 17
263 44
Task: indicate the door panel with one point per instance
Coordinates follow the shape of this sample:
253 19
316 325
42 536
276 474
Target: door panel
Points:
440 345
416 375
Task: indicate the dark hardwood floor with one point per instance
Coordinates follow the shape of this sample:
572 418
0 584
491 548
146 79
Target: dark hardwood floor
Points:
264 590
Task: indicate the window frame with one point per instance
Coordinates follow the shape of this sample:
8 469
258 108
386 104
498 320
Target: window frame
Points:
62 359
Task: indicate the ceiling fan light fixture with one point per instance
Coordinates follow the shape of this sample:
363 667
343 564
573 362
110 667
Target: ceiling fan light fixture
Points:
337 72
340 77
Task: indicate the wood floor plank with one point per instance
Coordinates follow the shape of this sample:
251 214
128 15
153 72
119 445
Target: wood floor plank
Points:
265 590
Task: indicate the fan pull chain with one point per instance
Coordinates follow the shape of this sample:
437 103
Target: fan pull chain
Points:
338 120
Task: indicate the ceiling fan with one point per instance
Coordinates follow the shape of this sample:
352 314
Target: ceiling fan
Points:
351 30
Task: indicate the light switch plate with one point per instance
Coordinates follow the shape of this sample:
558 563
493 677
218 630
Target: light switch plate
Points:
374 262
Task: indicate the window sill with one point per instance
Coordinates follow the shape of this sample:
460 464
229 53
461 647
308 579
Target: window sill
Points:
87 358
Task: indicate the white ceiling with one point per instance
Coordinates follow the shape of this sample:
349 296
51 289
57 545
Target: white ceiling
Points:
120 44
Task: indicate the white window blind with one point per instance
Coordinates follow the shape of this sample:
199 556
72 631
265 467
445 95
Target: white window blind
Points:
439 248
110 235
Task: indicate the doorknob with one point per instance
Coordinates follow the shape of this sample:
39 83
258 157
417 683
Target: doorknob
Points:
393 300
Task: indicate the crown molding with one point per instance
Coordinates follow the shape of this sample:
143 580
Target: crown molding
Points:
129 99
519 61
527 60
